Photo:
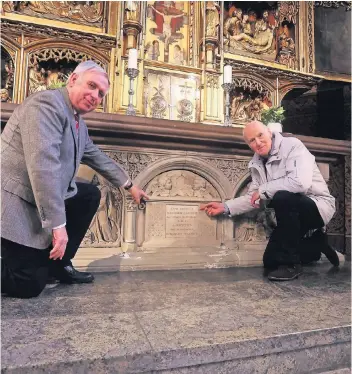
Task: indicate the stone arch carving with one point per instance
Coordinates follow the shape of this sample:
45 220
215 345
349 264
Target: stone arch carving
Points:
284 90
252 94
192 164
210 179
50 63
58 45
243 181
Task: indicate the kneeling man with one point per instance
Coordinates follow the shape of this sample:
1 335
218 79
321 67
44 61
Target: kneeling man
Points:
44 212
286 177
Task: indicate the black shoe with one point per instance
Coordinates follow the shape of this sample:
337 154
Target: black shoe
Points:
285 273
322 242
68 274
331 255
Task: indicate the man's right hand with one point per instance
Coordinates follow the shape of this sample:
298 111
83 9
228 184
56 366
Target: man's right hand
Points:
213 209
60 240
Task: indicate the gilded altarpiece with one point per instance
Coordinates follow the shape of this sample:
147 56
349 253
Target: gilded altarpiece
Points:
182 48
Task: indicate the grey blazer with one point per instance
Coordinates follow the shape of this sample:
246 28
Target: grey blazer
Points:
40 156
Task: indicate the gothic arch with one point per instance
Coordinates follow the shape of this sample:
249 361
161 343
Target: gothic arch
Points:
193 164
58 45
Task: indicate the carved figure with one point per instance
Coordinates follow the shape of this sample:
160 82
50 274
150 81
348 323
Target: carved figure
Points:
4 94
233 25
200 189
105 226
167 28
131 9
153 50
178 55
246 31
37 79
88 11
164 186
254 109
286 43
7 77
212 19
181 187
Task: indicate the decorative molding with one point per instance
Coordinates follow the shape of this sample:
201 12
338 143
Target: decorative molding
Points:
270 71
251 85
234 170
348 196
288 11
310 37
334 4
136 162
336 187
82 12
191 31
13 27
58 54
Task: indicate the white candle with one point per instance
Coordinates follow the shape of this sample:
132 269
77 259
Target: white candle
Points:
132 58
227 74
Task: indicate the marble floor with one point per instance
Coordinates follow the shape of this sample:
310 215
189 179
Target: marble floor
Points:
184 321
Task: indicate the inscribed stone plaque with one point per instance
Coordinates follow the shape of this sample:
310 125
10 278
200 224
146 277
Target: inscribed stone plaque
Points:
181 221
178 225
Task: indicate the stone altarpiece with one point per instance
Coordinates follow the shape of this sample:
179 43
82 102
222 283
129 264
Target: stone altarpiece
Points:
182 48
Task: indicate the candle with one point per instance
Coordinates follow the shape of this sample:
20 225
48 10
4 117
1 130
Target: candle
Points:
227 74
132 58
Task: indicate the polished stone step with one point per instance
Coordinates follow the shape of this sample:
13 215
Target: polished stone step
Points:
185 321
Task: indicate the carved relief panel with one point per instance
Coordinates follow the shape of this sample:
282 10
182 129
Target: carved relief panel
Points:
172 97
7 76
168 31
255 226
181 184
83 12
264 30
50 68
105 228
173 217
248 100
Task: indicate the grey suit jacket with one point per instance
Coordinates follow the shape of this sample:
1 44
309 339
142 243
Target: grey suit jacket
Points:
40 156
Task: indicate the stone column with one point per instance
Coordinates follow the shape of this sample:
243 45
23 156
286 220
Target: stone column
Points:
129 239
131 24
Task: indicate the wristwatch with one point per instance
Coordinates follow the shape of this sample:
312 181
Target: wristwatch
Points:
128 186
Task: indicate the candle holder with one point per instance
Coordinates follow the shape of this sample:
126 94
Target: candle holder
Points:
132 74
227 88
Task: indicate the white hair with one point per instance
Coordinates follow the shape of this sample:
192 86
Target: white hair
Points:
90 65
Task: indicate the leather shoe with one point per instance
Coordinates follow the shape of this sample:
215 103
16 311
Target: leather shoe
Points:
285 273
331 255
68 274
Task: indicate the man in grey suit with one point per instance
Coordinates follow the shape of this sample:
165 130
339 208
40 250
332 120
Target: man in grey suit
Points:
45 213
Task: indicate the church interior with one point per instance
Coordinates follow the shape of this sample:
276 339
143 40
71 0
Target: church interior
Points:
186 76
173 118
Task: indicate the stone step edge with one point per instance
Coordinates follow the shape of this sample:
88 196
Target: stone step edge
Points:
200 355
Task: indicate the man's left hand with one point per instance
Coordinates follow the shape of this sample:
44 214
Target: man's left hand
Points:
138 194
255 199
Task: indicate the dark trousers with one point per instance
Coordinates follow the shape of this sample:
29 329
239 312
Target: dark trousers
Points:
296 214
25 270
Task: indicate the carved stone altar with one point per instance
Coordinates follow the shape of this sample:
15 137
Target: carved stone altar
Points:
182 48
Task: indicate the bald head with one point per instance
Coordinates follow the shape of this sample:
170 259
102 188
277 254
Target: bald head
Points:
258 137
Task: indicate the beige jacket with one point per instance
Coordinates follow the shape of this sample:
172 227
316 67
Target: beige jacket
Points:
290 167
